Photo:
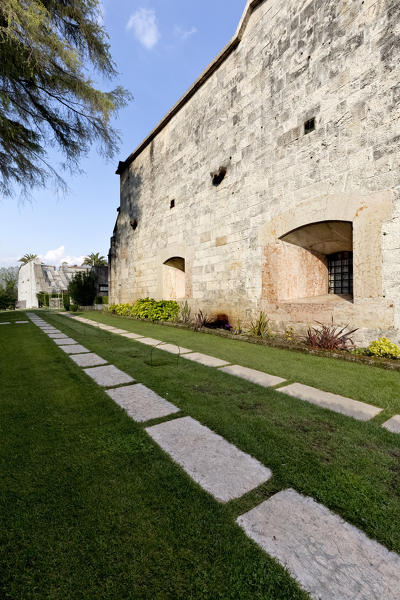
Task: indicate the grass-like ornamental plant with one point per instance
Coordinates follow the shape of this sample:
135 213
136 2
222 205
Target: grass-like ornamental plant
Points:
185 313
260 327
330 337
200 321
383 348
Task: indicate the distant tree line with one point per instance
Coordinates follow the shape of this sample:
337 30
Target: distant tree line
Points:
8 287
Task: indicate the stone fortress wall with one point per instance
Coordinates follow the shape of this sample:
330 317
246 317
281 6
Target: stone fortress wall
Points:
259 238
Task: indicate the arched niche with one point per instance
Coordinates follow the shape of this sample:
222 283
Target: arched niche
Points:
174 278
311 261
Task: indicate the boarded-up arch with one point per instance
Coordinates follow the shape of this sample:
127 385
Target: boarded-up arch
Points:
174 278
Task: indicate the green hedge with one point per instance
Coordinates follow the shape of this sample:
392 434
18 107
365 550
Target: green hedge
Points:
149 309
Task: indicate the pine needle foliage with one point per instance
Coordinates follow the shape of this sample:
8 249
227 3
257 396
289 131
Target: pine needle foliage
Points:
47 98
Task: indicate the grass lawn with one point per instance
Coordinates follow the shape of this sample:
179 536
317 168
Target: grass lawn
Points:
367 384
91 508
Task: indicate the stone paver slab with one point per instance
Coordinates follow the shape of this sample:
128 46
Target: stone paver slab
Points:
346 406
88 360
132 336
5 323
20 322
331 559
258 377
56 336
204 359
118 331
393 424
141 403
108 376
50 332
173 349
219 467
65 341
149 341
76 349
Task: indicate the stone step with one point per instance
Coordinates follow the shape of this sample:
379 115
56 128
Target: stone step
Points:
88 360
56 336
132 336
66 341
108 376
218 466
149 341
173 349
393 425
330 559
141 403
258 377
74 349
346 406
204 359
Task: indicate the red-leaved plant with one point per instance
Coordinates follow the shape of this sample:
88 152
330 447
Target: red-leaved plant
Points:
330 337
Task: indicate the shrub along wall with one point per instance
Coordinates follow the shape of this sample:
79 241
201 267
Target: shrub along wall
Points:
149 309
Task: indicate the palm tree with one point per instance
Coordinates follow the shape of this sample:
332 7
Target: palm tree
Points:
95 260
27 258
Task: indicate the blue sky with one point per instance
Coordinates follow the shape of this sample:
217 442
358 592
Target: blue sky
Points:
160 47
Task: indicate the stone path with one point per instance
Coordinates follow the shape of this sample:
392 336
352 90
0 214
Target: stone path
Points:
77 349
141 403
257 377
204 359
331 559
172 348
219 467
65 341
88 360
131 336
393 424
108 376
346 406
148 341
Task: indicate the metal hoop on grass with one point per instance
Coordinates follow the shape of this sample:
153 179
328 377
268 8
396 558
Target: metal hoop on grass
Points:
164 344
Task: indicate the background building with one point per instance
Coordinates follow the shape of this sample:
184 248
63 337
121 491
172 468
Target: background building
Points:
35 277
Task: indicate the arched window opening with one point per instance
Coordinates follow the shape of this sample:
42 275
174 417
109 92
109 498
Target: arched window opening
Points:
174 279
316 261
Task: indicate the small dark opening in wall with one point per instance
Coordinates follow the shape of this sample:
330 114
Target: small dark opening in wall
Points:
218 178
172 204
309 126
134 224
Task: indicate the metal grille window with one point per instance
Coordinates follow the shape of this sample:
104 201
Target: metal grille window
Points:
340 267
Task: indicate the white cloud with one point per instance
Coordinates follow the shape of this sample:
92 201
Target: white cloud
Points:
58 256
144 26
184 34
